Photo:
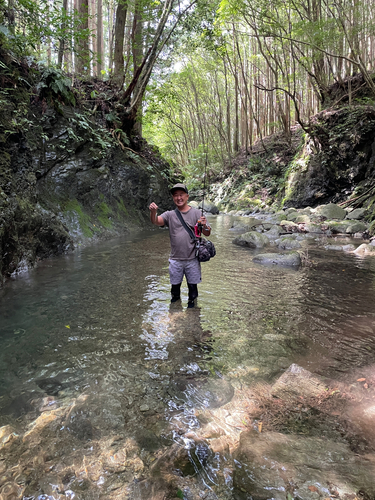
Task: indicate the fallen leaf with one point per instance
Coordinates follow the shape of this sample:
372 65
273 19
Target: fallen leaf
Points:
313 488
361 379
260 425
365 386
67 326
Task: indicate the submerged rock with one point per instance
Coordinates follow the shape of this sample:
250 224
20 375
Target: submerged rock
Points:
285 259
297 381
245 224
279 466
334 247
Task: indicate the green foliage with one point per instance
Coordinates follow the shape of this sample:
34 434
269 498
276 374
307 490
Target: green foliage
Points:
55 85
37 22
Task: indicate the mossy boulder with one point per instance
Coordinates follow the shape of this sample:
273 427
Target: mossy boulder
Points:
356 214
356 227
331 211
339 227
251 239
302 219
288 244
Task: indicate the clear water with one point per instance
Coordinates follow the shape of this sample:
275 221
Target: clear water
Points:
95 362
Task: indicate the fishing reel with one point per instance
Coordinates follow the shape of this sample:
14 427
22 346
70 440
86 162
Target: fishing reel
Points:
198 228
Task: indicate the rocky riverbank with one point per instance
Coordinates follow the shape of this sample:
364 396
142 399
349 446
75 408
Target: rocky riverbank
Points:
66 178
291 229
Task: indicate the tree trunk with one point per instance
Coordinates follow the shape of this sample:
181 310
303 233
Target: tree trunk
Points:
121 12
82 43
99 39
137 51
60 56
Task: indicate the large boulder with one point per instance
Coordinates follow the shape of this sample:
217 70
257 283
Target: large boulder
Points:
209 207
331 211
251 239
284 259
293 215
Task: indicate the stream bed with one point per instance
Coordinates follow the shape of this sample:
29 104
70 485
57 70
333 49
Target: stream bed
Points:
108 391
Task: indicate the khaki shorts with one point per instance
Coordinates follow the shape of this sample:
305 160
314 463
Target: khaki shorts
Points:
190 268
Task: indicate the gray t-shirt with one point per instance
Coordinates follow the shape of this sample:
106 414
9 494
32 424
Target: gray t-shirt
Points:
182 246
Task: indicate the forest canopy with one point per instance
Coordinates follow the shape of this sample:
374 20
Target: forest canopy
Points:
204 78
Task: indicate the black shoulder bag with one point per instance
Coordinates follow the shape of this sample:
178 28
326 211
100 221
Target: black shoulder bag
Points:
205 249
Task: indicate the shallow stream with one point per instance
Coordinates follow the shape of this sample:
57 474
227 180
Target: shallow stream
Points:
109 391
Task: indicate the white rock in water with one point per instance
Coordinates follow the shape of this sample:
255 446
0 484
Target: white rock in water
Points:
365 249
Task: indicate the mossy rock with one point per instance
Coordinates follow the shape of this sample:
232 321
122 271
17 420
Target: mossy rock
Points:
288 244
331 211
251 239
356 227
339 227
302 219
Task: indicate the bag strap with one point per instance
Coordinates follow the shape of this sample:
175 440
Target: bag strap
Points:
178 213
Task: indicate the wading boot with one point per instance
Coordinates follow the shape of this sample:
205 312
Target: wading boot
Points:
175 291
193 294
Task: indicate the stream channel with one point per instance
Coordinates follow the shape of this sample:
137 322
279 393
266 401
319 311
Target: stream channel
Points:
108 391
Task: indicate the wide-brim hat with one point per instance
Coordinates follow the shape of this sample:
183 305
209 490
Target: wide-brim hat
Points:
181 186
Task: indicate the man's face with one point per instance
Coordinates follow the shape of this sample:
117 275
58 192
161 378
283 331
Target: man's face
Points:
180 198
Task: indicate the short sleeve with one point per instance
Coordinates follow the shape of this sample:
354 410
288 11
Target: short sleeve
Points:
166 216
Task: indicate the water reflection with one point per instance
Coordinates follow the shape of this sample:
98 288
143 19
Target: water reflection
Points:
110 391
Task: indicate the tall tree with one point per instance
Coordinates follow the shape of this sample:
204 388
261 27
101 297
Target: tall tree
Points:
82 55
118 58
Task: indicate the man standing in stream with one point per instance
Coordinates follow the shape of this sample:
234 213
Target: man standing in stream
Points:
182 260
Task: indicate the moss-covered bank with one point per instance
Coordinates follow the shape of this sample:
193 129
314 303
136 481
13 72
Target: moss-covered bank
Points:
67 175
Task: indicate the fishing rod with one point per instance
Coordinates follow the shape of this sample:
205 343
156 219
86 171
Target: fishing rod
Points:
204 180
198 226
